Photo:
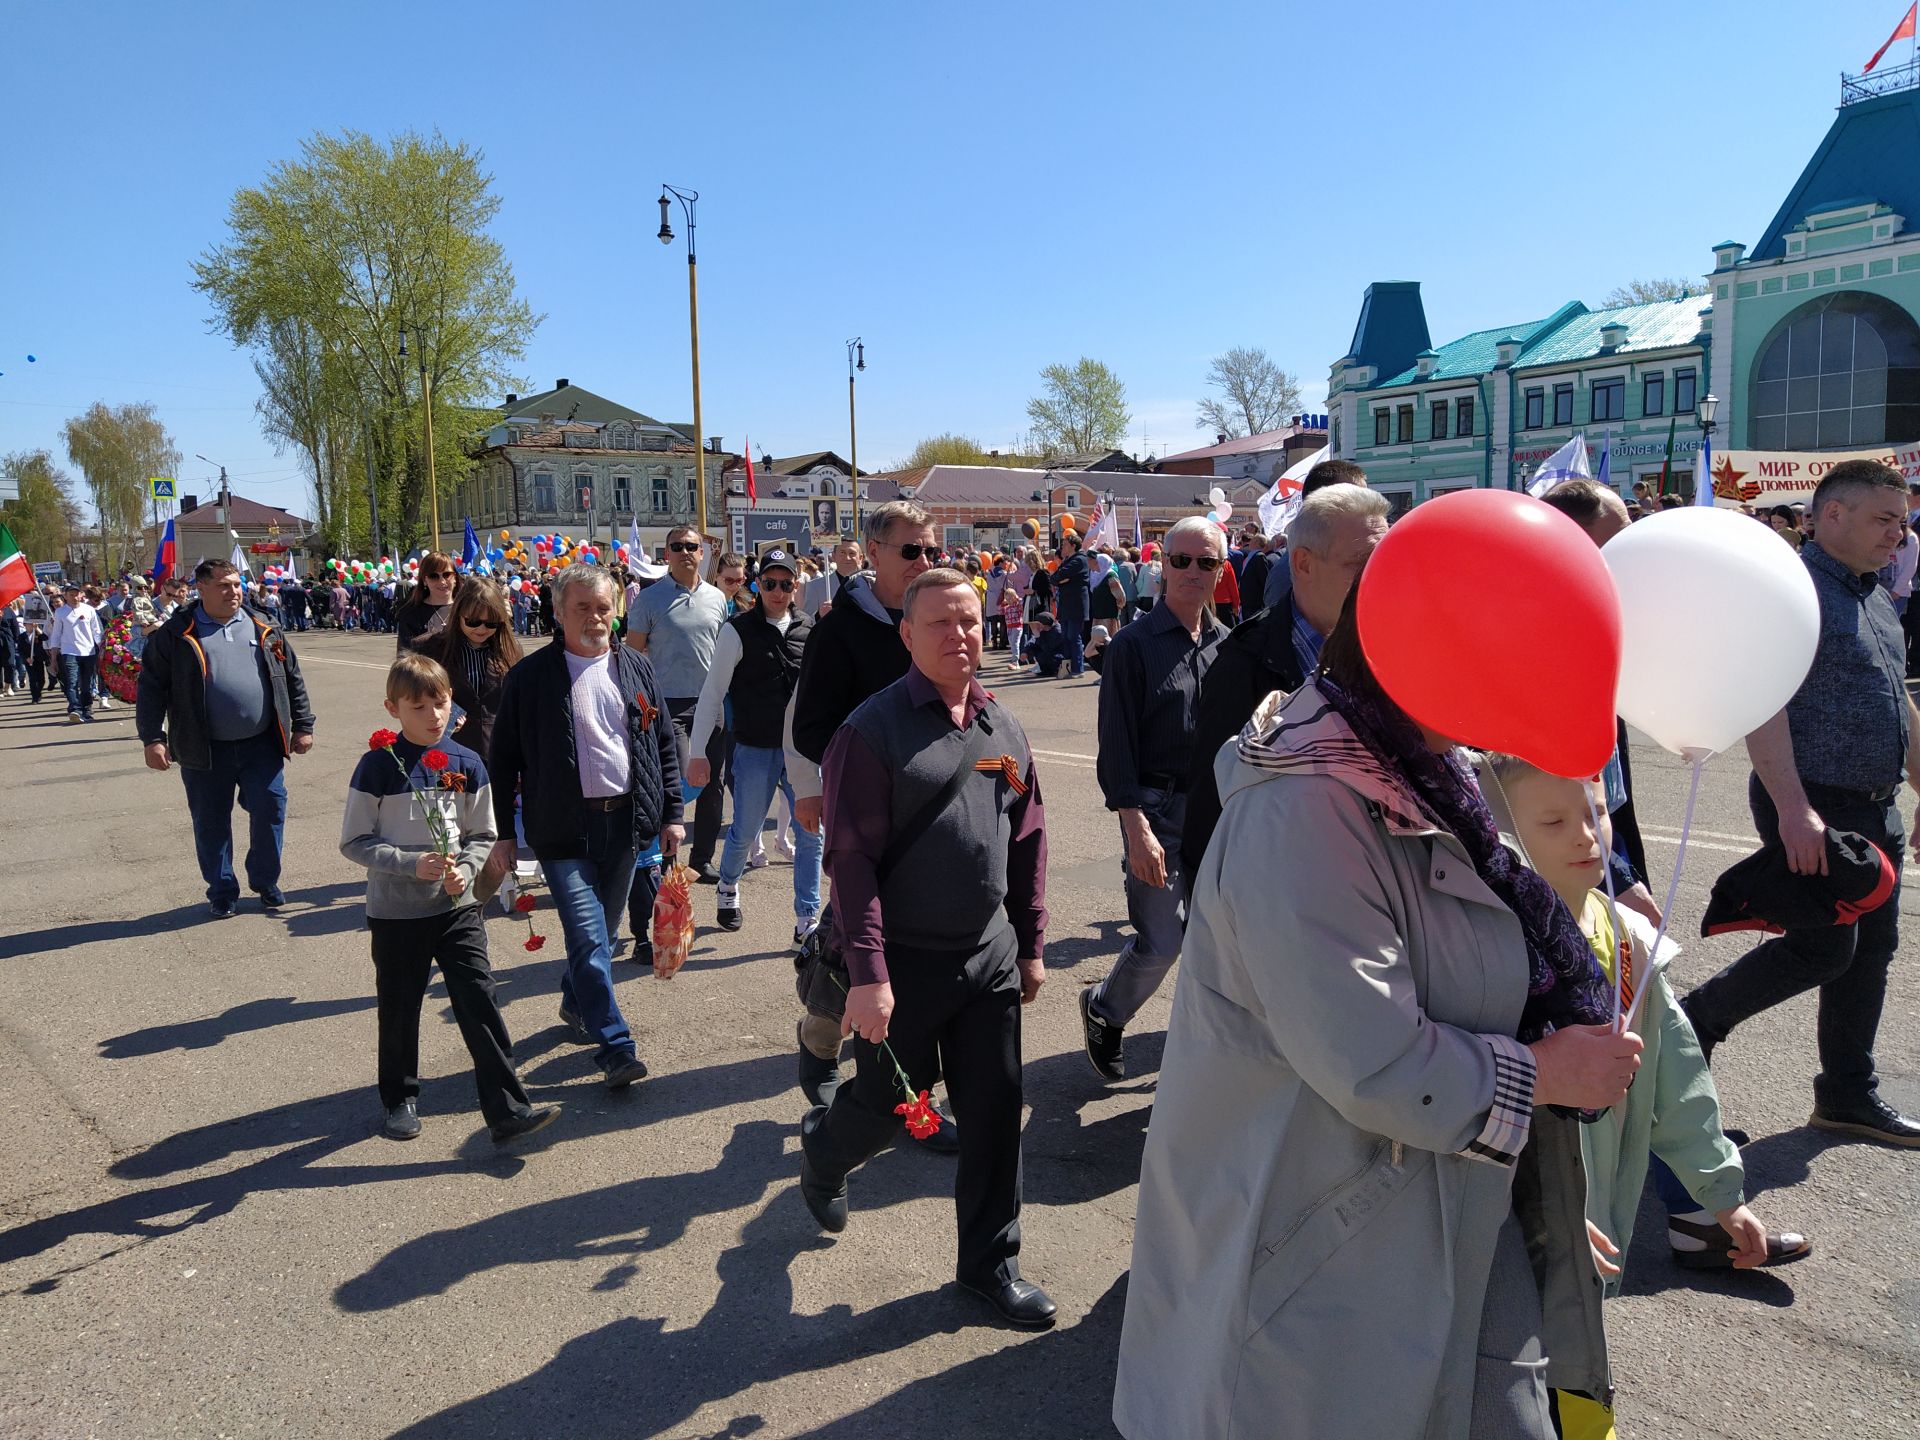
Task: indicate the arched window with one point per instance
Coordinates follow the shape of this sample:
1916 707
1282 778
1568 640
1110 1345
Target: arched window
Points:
1839 373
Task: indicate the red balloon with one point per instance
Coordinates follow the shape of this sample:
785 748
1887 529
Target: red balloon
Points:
1490 617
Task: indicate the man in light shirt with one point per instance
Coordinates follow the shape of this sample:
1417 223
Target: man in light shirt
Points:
583 735
674 623
75 638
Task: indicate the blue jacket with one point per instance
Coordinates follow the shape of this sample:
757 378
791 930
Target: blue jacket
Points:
533 753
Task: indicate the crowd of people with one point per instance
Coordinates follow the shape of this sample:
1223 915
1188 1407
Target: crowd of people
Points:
1391 1115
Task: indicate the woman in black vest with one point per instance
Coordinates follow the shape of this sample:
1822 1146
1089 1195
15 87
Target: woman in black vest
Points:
756 664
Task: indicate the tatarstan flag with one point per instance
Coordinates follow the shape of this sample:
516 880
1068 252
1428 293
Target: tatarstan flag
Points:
16 578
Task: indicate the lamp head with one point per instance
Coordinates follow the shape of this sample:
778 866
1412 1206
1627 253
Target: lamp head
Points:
403 342
1709 404
860 346
666 226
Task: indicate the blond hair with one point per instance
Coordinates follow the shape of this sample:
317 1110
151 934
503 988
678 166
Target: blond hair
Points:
416 677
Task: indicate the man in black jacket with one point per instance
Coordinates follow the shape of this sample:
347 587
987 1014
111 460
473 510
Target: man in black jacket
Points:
221 694
1333 535
583 735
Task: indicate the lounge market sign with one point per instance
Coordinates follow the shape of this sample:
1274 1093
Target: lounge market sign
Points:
1782 477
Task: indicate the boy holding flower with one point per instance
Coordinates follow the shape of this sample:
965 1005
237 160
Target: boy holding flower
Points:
419 816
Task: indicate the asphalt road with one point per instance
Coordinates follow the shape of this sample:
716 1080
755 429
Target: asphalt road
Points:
201 1234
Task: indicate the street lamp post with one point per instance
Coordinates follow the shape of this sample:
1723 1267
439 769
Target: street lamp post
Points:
426 423
1049 499
688 199
1709 406
856 360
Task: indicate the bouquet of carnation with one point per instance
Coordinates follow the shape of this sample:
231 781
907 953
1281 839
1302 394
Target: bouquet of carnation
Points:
436 763
119 670
673 920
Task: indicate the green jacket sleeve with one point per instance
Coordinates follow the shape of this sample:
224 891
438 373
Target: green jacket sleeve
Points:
1686 1112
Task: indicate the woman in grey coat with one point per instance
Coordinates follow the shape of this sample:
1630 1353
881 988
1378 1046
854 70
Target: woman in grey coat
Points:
1348 1189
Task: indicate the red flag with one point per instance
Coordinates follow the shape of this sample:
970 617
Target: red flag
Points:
753 495
1902 31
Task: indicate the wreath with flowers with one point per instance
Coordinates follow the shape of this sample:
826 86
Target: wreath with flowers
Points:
119 668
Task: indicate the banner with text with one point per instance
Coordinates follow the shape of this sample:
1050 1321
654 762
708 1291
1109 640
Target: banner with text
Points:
1782 477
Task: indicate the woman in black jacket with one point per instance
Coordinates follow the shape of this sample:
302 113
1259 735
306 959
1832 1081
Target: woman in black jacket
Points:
426 610
476 649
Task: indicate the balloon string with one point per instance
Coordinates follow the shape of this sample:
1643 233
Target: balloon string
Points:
1679 863
1613 908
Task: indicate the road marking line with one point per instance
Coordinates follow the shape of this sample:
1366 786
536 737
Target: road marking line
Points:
1747 849
329 660
1065 755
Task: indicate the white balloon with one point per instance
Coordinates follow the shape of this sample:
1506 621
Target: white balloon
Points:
1719 625
1225 509
1217 499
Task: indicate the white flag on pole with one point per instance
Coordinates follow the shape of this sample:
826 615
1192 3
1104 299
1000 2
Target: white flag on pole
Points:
1281 502
239 557
1569 462
1703 474
1106 524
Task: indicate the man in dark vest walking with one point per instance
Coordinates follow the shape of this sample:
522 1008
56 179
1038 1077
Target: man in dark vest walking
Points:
928 783
756 665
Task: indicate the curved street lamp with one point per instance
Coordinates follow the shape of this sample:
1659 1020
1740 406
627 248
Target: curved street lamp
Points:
687 199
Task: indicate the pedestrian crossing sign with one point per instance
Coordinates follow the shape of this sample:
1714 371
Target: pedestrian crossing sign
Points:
160 487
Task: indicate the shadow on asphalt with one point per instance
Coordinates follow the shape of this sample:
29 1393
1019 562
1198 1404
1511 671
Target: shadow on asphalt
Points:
305 908
210 1030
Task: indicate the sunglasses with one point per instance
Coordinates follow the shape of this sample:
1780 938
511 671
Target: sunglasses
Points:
685 547
776 585
439 575
473 624
914 552
1208 563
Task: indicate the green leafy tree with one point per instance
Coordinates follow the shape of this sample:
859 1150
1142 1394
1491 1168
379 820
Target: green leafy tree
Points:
46 516
1255 394
1080 407
1645 292
118 448
326 263
945 449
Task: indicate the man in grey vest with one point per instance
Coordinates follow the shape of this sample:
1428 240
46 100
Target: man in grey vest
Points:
929 779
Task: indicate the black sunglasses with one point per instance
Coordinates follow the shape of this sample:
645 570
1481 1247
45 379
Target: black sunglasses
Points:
481 624
1205 562
776 585
914 552
685 547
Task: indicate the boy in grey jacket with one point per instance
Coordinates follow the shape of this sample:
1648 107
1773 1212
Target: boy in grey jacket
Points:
419 816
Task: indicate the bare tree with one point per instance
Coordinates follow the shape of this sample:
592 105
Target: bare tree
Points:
1645 292
1256 394
1082 407
118 449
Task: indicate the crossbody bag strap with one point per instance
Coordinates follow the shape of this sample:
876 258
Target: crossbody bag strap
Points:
979 737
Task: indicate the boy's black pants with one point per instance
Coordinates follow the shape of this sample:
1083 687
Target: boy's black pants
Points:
403 955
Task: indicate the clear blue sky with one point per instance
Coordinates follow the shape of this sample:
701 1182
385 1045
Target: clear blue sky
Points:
978 189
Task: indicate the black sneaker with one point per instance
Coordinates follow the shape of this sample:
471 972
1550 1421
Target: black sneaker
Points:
576 1027
271 898
624 1070
402 1122
1104 1041
1871 1118
220 909
727 914
516 1126
640 953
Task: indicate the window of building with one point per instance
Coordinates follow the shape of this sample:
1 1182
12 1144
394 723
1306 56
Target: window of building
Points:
1383 426
1403 424
1335 436
1609 399
543 492
1463 416
622 494
1653 394
583 491
1437 421
660 506
1072 499
1838 372
1563 404
1683 396
1536 408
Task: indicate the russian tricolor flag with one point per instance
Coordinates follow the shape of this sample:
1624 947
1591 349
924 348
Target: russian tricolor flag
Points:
163 555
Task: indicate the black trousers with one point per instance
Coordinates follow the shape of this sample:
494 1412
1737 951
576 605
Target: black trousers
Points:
706 810
1910 622
955 1014
1848 963
403 955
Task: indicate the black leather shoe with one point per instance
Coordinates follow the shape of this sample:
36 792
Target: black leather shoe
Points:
1020 1302
945 1140
1871 1118
577 1030
827 1204
705 874
271 898
516 1126
402 1122
1104 1041
220 909
623 1071
819 1079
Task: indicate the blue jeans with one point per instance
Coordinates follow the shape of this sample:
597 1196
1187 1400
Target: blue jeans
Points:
757 774
590 893
1074 634
76 679
1158 917
256 769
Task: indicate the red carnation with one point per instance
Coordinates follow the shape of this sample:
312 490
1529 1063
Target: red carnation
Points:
435 760
382 740
921 1118
534 942
524 903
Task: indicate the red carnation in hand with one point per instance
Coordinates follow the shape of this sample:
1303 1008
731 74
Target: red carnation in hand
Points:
922 1119
435 760
534 942
382 740
524 903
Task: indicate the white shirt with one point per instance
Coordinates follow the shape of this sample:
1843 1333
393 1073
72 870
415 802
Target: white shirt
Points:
727 654
599 726
76 630
1905 561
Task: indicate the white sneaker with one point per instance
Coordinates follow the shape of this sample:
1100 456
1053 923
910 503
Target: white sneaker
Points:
758 859
804 928
784 843
102 702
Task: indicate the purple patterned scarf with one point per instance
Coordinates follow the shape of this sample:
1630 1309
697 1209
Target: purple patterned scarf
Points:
1565 984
